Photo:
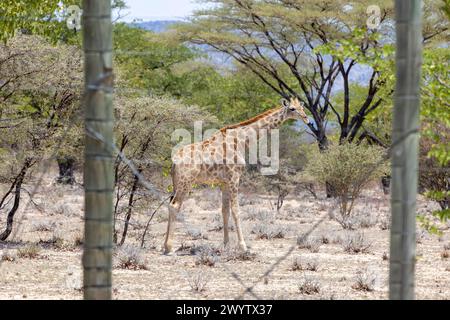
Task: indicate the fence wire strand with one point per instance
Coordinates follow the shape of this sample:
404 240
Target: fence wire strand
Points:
247 289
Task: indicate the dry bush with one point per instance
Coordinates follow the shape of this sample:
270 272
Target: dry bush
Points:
365 281
255 213
270 231
311 243
78 240
217 223
58 242
299 265
366 220
309 286
324 239
206 256
235 254
8 256
130 257
385 223
347 168
445 254
43 226
64 209
30 251
356 243
196 234
198 281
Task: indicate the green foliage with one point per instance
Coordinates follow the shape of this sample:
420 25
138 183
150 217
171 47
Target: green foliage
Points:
348 168
46 18
37 103
435 175
149 61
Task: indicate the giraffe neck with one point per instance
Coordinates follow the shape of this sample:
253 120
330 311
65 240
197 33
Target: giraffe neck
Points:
272 120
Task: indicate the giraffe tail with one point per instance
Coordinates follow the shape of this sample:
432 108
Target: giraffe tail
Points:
174 191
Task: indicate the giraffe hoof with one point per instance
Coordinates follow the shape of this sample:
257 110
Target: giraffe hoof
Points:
243 247
168 252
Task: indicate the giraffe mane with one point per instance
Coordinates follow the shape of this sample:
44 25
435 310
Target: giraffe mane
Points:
251 120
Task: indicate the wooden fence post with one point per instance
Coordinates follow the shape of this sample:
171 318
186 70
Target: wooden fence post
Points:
98 166
405 136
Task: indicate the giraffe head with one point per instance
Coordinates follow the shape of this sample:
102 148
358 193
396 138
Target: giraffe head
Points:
295 110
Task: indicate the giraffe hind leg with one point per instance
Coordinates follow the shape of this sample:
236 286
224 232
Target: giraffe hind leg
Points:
225 214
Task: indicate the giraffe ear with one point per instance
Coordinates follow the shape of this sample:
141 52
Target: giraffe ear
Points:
285 103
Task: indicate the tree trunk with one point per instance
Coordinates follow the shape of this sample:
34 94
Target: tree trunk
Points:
18 185
130 209
323 146
66 168
405 137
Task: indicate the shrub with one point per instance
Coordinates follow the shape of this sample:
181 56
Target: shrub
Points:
206 256
234 254
43 226
434 176
196 234
365 281
310 243
7 256
309 286
130 257
347 168
198 281
356 243
268 231
310 265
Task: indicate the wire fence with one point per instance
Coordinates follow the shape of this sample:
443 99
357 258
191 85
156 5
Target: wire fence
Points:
247 289
154 191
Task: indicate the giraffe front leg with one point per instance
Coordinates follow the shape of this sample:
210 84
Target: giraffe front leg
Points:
225 215
174 207
235 211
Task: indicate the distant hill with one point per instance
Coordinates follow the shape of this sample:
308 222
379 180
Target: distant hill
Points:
155 26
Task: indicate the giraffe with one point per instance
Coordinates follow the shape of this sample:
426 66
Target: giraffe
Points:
212 161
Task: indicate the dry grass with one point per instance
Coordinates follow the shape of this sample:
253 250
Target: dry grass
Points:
309 286
30 251
269 232
206 256
235 254
44 226
356 243
365 281
311 243
330 271
299 264
196 234
8 256
130 257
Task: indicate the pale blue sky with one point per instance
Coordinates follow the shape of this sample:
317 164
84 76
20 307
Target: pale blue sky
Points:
159 9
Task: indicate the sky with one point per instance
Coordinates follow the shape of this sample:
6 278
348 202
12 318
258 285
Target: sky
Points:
159 9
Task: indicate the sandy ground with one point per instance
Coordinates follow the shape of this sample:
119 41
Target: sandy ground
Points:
52 228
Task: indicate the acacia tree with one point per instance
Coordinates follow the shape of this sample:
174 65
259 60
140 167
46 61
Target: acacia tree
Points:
37 104
307 49
144 129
